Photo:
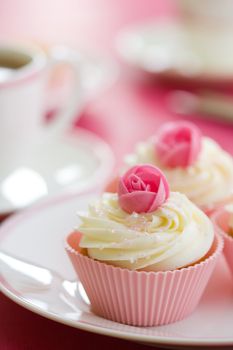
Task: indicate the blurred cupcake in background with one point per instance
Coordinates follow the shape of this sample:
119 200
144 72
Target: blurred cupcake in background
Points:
223 221
144 254
193 164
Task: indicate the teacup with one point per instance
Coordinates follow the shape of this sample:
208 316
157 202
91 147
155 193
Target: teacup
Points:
24 72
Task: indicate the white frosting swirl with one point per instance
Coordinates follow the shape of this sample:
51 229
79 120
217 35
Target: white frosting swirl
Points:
175 235
207 182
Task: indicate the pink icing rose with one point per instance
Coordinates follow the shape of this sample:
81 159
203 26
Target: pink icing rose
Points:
142 189
178 144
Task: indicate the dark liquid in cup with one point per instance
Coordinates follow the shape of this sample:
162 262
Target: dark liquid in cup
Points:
10 61
13 59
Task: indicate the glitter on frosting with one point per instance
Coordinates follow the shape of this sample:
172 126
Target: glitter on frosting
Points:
175 235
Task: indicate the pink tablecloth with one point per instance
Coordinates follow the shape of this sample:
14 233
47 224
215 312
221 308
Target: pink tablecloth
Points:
128 112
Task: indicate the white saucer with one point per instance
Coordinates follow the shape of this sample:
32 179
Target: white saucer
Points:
179 50
76 160
36 236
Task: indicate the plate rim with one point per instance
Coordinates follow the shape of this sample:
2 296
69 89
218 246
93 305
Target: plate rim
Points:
106 163
11 222
137 27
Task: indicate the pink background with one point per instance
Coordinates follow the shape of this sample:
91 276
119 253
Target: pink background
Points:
128 112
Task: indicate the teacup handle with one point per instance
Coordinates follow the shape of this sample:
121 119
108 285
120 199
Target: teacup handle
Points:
64 55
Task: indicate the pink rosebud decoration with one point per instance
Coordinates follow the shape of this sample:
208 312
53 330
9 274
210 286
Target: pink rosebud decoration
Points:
142 189
178 144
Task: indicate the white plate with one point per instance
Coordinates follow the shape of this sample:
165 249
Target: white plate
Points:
76 160
179 50
36 236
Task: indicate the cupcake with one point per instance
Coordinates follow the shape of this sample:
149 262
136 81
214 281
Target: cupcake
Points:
144 254
223 221
193 164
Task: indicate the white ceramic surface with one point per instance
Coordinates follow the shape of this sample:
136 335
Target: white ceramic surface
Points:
180 50
75 160
23 93
22 96
36 236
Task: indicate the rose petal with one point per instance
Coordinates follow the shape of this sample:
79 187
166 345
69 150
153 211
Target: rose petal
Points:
136 183
160 197
178 156
150 174
195 147
140 186
138 201
178 144
122 189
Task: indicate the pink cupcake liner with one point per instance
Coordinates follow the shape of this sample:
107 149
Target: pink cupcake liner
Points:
141 298
220 219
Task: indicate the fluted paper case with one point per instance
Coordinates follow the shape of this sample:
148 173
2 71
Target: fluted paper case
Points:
141 298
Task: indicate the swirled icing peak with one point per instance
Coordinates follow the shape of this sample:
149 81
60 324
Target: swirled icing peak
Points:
177 234
207 182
